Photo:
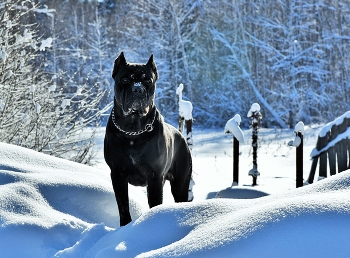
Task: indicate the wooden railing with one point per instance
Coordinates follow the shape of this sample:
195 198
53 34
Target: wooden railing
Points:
332 148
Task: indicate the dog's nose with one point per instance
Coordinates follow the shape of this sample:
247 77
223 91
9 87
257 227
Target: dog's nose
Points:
138 88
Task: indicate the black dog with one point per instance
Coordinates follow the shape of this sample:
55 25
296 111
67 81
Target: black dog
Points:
139 147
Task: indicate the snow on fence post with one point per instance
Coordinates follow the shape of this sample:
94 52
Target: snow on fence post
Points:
255 115
232 127
299 144
185 115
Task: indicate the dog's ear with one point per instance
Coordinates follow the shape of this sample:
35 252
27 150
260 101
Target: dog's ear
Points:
118 62
153 66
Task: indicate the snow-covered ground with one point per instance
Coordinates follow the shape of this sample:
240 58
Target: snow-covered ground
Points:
51 207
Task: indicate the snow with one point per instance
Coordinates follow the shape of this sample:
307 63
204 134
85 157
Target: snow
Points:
8 75
46 43
238 119
64 104
37 108
25 119
32 88
49 204
325 129
185 107
46 10
2 104
52 88
296 142
3 54
340 137
299 127
240 192
51 207
254 108
232 127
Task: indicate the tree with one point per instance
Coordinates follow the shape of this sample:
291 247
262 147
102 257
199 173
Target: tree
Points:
290 56
97 49
34 112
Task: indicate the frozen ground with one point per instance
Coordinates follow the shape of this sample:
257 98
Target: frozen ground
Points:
55 208
213 160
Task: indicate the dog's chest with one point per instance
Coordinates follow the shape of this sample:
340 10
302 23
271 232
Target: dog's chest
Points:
139 159
140 164
137 171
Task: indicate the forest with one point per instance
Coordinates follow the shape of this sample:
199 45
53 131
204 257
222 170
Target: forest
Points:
292 57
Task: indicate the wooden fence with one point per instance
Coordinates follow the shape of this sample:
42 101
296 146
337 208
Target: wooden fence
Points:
332 148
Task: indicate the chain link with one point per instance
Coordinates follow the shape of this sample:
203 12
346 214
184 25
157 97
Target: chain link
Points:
148 128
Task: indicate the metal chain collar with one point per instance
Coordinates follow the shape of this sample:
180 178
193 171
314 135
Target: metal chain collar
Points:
148 128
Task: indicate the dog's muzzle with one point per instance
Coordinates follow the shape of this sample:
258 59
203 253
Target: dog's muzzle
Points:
137 100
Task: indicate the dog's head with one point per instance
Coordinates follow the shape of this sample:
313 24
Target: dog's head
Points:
134 86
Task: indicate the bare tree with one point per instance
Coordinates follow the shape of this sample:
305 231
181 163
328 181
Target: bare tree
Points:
291 56
34 112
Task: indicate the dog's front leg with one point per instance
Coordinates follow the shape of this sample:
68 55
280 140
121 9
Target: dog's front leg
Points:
120 186
155 191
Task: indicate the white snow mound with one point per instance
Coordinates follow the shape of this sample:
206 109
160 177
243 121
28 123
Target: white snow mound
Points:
48 204
51 207
272 226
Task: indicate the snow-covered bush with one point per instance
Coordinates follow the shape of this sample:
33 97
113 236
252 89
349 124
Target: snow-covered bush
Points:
34 112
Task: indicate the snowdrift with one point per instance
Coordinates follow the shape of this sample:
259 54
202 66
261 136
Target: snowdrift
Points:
49 204
50 207
312 221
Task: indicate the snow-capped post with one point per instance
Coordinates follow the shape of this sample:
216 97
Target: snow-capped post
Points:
232 127
185 115
255 115
298 143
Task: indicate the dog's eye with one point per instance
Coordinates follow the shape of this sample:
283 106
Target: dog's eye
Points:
125 80
147 81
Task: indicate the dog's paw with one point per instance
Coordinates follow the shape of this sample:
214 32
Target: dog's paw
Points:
190 193
190 196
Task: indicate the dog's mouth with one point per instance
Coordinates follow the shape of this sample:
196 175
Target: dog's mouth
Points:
135 105
137 108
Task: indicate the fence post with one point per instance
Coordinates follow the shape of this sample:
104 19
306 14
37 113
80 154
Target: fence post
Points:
321 143
332 152
232 127
311 177
322 161
189 132
348 141
235 160
185 115
300 161
342 155
298 142
181 123
255 115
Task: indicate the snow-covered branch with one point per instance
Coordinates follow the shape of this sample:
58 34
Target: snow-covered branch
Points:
34 112
238 62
